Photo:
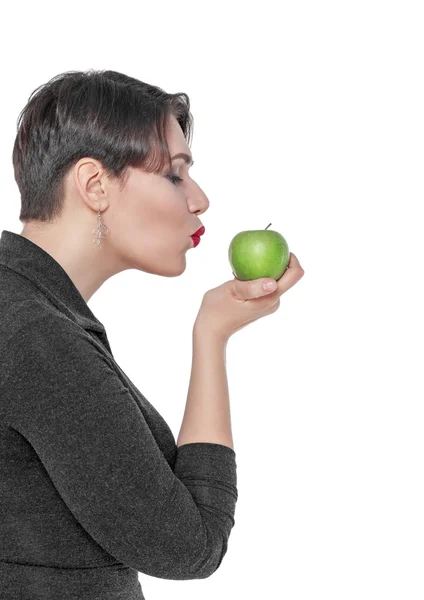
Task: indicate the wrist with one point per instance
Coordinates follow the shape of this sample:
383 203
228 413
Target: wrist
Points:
203 331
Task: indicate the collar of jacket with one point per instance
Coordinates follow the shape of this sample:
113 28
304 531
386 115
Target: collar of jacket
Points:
40 268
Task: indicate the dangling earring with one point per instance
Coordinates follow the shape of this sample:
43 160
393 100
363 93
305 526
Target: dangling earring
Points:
100 231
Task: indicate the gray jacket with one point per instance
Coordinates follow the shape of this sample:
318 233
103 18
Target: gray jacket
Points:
93 488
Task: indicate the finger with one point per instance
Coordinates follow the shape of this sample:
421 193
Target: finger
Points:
253 288
291 275
294 262
246 290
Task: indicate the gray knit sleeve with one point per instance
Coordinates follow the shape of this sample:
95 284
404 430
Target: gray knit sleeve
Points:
101 456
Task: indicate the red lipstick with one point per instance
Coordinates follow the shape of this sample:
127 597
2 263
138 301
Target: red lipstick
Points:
196 236
200 231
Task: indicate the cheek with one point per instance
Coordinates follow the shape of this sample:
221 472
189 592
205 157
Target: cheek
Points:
152 219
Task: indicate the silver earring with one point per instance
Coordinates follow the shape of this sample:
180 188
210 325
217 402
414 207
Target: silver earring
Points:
100 231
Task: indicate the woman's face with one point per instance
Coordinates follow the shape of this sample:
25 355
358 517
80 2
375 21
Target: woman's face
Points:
151 220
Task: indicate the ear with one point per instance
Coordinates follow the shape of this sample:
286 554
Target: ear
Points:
92 183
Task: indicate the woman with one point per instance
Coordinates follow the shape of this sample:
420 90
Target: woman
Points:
95 488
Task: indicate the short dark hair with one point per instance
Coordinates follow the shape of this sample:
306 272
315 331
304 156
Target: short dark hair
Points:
109 116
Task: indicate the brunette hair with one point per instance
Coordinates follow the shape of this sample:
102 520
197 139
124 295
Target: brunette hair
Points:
116 119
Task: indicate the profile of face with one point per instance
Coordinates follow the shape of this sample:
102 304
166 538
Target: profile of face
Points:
150 220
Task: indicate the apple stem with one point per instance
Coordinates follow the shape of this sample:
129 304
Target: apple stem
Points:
268 226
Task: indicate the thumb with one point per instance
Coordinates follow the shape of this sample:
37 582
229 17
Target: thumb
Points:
254 288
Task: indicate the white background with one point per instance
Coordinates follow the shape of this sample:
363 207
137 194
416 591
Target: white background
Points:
309 116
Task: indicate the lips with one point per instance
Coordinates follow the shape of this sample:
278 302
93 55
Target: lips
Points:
196 236
200 231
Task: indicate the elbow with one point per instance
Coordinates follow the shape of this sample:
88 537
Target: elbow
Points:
216 546
184 558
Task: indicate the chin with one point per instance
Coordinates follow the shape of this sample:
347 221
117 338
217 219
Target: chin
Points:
177 270
165 268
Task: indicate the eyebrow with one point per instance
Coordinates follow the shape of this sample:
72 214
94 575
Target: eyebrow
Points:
187 158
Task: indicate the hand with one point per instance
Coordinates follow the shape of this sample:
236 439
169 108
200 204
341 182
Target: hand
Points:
234 304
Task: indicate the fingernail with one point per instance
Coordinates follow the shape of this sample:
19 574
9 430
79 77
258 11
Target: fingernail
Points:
269 286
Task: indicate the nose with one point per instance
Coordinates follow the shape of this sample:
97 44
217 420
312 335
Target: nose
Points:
198 201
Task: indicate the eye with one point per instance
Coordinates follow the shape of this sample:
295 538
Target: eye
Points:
175 179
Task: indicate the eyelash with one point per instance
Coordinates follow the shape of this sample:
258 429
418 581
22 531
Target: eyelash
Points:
175 179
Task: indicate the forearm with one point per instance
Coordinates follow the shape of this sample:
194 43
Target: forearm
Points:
207 415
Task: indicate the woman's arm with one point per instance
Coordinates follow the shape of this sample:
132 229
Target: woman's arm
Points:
97 450
207 413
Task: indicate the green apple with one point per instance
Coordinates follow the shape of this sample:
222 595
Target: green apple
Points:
258 253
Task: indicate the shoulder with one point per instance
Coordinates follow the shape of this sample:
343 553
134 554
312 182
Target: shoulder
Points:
31 318
38 341
50 359
22 306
